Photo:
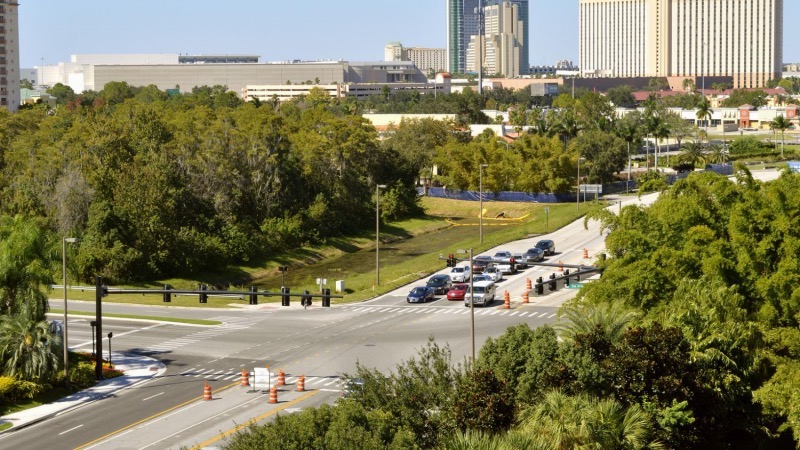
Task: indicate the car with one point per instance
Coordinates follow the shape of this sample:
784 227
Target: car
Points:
547 246
421 294
460 274
483 294
457 292
493 272
507 267
440 283
482 278
502 256
479 263
533 255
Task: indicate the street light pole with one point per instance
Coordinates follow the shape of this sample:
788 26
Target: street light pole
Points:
378 232
64 241
471 303
480 200
578 192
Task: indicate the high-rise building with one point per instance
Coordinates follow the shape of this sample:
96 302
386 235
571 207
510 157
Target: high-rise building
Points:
9 55
463 23
742 39
502 41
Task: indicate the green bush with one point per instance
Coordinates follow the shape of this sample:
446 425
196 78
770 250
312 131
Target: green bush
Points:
22 389
82 375
6 385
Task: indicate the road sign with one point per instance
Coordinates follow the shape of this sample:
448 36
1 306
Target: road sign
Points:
261 378
794 166
591 188
574 285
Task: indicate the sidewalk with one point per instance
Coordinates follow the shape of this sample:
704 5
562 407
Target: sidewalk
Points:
137 369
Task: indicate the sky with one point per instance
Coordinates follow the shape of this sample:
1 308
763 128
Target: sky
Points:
354 30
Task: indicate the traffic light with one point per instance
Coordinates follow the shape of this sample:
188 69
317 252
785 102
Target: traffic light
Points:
451 261
326 300
253 295
203 295
306 298
539 286
552 284
285 296
104 290
167 295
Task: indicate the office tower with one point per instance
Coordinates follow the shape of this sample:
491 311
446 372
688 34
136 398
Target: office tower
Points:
742 39
502 41
462 24
429 60
9 55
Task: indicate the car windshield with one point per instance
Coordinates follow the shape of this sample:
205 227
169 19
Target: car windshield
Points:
458 269
502 254
542 244
460 287
533 250
436 280
480 289
418 291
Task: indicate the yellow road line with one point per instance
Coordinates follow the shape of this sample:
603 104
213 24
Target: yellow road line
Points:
253 420
154 416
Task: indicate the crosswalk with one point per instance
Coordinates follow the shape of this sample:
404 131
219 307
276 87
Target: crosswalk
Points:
232 374
549 314
230 324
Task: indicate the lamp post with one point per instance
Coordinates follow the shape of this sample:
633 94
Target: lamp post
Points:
378 232
471 303
578 193
480 200
64 241
503 142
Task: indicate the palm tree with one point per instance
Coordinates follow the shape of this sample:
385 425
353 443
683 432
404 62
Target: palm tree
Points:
780 123
561 421
610 318
704 113
28 349
692 154
629 129
715 154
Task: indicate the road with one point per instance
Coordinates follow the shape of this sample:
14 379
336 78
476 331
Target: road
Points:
322 344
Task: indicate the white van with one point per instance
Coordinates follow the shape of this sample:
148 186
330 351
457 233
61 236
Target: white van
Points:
484 293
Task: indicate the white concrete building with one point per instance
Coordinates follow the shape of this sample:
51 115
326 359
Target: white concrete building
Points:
9 55
742 39
429 60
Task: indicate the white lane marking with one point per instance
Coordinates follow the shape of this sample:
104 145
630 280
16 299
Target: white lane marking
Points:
514 313
152 396
495 312
310 379
335 380
71 429
551 316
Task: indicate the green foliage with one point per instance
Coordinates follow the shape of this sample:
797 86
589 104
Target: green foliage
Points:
18 390
483 402
27 348
652 181
82 375
739 97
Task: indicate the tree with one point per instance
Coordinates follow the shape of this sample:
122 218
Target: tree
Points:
28 349
621 96
24 268
692 154
62 93
689 85
606 154
704 113
782 124
611 320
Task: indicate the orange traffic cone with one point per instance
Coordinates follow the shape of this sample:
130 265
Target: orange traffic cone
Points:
245 378
528 285
506 301
525 297
281 378
273 394
585 253
207 392
301 383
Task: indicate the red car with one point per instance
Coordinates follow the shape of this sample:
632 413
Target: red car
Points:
457 292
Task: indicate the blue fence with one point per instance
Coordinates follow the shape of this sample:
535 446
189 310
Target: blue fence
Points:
497 196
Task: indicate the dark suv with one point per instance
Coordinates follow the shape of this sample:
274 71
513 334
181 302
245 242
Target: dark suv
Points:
547 246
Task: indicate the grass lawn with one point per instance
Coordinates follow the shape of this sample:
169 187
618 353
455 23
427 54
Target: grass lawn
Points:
409 249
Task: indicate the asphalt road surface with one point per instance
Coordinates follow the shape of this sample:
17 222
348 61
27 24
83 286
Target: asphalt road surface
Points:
322 344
